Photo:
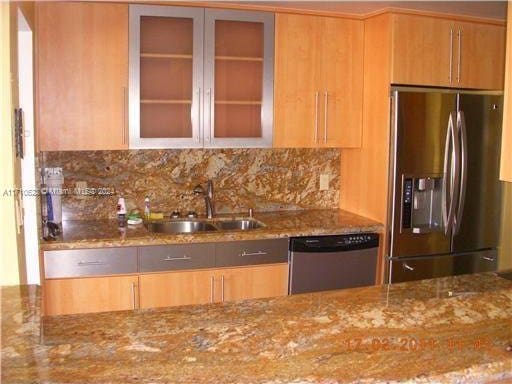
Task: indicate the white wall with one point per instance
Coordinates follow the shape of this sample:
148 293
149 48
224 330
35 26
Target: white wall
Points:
28 174
9 271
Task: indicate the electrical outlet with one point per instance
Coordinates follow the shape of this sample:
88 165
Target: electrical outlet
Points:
324 182
80 187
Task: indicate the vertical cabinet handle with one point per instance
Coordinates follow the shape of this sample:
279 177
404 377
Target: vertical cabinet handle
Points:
124 128
326 105
197 137
208 130
212 289
316 116
451 57
222 288
459 54
134 293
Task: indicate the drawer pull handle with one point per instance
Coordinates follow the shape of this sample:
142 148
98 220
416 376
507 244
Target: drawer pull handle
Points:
169 258
489 258
259 253
408 267
88 263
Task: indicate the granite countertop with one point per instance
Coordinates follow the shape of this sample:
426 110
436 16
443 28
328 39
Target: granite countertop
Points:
447 330
102 233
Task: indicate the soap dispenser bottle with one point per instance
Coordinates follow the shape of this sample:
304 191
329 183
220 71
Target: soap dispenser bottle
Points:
121 211
147 208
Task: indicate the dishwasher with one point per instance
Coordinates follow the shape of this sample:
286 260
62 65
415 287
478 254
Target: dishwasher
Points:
322 263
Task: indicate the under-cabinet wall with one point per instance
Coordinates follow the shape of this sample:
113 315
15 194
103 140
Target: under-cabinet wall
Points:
264 179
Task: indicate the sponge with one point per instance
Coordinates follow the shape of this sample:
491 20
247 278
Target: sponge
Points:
156 216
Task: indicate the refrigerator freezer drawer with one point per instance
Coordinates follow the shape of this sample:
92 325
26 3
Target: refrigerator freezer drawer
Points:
418 268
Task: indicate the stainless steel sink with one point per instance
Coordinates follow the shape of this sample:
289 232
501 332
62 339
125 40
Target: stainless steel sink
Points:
193 226
185 226
240 225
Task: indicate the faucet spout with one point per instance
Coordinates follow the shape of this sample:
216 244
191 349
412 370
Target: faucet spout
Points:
210 205
208 198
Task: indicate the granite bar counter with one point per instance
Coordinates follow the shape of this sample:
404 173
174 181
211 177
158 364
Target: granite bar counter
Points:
106 233
447 330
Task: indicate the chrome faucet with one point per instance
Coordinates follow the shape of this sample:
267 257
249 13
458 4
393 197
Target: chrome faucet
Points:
208 197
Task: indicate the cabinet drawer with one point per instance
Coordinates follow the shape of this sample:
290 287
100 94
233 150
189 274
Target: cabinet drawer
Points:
90 262
176 257
251 252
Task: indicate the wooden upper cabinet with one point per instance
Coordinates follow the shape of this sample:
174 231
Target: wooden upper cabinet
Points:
296 80
342 81
200 77
506 137
422 50
318 81
482 55
434 51
81 76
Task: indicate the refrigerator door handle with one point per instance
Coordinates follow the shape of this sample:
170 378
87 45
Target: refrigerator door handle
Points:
461 128
449 175
444 207
455 172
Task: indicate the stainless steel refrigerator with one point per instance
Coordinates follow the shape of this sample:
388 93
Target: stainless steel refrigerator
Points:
444 182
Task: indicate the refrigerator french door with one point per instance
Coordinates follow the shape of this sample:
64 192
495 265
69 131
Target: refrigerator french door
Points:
446 194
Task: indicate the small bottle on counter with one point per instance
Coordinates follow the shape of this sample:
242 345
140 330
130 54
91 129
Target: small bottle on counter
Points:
147 208
121 211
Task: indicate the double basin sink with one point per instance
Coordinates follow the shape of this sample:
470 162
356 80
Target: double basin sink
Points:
198 225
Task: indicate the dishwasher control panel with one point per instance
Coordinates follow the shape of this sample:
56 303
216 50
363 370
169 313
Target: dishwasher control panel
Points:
357 239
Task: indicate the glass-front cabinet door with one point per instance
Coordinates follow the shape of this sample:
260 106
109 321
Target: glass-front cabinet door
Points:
166 75
239 59
200 78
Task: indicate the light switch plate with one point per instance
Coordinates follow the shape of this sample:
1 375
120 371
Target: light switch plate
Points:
324 182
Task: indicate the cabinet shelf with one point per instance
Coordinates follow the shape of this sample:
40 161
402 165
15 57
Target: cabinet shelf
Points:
166 56
165 101
239 58
237 102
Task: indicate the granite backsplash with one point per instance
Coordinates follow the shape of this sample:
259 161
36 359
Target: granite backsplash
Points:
264 179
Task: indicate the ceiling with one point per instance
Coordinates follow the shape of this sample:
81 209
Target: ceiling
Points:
485 9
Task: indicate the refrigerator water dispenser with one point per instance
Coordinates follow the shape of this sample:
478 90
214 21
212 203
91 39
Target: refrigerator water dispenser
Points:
421 204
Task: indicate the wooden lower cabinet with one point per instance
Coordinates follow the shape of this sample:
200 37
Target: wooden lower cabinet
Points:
168 289
253 282
213 285
176 288
90 294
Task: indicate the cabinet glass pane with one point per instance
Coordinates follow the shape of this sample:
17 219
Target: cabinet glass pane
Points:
238 38
170 35
166 47
165 79
234 120
165 120
238 79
